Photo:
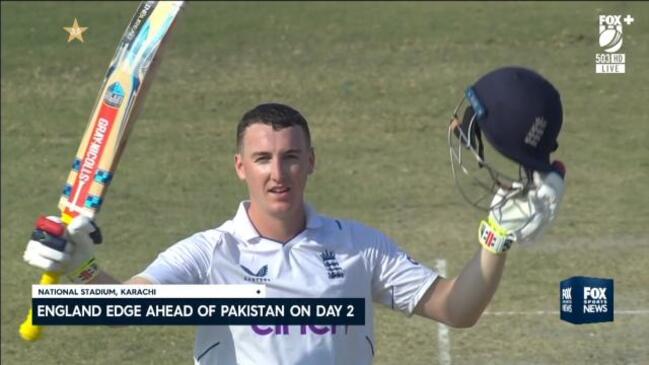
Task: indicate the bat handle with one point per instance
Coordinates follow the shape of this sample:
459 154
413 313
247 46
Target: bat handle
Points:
28 330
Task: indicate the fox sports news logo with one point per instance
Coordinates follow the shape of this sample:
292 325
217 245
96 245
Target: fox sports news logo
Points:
586 300
595 300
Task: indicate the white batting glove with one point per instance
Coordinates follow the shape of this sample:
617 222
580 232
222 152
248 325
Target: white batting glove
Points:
69 250
522 218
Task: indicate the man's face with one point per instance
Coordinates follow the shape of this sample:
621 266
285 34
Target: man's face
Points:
275 165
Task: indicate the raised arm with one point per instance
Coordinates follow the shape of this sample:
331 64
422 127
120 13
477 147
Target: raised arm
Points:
459 302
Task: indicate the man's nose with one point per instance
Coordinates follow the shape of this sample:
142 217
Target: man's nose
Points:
277 169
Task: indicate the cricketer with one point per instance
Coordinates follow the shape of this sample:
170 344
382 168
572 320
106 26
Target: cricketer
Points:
278 239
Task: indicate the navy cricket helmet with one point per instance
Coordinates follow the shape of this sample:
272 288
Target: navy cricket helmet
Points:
519 113
522 115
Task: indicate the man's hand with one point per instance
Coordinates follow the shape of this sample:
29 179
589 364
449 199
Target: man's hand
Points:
69 250
522 217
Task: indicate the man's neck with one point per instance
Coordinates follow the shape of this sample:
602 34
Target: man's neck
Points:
280 229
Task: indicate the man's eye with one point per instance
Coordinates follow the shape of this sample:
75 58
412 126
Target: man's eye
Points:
262 159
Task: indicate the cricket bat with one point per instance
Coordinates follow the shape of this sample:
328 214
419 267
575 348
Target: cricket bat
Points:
120 99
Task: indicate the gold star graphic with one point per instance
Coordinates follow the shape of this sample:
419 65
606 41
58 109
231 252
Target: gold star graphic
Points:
75 31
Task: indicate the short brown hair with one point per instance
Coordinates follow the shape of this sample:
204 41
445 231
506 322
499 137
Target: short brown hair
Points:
279 116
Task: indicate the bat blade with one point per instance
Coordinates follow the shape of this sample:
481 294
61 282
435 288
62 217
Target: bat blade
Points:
114 112
120 99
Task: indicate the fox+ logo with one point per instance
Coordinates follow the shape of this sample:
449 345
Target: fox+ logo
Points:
586 300
610 41
610 33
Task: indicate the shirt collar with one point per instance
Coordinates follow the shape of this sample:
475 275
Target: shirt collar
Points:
246 230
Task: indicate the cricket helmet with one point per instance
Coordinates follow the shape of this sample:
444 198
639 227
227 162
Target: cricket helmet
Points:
519 114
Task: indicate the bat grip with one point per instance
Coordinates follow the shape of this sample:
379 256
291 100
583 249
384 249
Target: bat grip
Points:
28 330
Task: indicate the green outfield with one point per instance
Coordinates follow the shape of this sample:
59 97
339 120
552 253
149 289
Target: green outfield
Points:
377 82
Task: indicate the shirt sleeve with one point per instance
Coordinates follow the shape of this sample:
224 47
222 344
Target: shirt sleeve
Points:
186 262
398 281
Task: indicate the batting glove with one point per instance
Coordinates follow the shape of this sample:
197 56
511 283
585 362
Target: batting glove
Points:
522 217
69 250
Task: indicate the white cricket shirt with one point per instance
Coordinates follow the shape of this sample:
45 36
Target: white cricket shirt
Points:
366 263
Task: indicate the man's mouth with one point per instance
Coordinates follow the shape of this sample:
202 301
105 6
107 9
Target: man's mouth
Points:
279 189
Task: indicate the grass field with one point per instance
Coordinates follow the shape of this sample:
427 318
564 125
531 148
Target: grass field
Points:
377 81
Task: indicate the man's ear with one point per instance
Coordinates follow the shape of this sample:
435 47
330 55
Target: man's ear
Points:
311 159
238 166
